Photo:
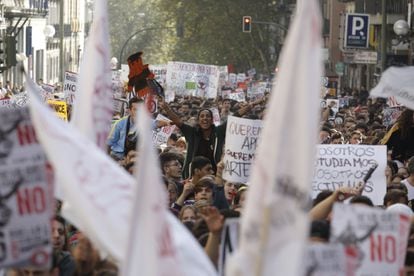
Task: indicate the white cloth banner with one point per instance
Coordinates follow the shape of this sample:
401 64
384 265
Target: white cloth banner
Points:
375 239
94 100
397 82
99 192
242 139
26 189
274 226
193 79
150 248
346 165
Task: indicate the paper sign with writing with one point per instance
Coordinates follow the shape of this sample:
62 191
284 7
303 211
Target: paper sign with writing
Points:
237 96
26 191
47 91
160 73
60 108
346 165
216 116
242 136
193 79
229 241
70 86
326 259
375 239
390 115
160 135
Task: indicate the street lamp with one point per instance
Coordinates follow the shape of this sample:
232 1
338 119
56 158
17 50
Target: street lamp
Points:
402 30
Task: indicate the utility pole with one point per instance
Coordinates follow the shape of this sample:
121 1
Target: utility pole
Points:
61 37
383 35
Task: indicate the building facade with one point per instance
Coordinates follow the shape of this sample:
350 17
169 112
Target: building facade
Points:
49 36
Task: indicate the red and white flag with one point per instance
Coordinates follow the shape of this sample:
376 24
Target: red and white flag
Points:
100 195
93 105
274 226
98 191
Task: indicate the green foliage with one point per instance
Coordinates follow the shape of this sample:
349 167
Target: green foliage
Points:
212 31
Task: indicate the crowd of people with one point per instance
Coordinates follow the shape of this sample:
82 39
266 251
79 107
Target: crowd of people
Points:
192 167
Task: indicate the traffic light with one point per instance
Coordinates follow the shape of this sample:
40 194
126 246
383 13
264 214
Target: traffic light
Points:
11 51
247 24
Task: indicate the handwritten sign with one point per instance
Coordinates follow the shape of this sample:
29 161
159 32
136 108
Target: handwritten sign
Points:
346 165
60 108
237 96
47 91
26 191
242 136
390 115
70 86
326 259
375 239
193 79
160 135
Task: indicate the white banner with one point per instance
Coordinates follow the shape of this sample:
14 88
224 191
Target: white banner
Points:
160 135
275 226
375 239
346 165
26 194
193 79
93 108
397 82
150 248
98 192
242 139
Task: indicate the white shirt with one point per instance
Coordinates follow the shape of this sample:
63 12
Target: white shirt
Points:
410 188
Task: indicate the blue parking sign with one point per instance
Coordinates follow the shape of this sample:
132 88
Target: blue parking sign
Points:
356 30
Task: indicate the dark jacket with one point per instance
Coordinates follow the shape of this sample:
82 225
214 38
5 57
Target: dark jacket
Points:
193 136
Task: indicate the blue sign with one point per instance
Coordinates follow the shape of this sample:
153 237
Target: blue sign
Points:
356 30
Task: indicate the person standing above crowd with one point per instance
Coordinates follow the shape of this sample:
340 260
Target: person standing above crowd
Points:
204 139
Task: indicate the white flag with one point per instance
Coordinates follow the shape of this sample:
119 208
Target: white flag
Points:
397 82
94 100
97 189
150 249
275 221
100 193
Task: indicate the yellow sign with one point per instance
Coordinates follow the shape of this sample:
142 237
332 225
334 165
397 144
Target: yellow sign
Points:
60 108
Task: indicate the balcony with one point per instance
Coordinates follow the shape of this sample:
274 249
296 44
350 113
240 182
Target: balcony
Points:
25 8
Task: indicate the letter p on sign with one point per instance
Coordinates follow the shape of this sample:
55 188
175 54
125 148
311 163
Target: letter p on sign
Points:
357 26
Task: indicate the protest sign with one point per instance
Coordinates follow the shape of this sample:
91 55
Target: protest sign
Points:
242 137
60 108
232 80
70 86
193 79
256 89
19 100
375 239
160 73
326 259
160 135
343 102
237 96
47 91
26 191
117 85
223 77
216 116
229 241
390 115
346 165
